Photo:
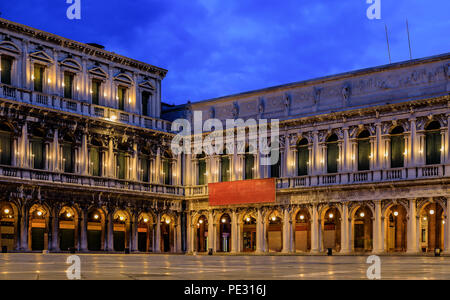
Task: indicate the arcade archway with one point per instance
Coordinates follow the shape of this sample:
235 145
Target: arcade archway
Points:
302 231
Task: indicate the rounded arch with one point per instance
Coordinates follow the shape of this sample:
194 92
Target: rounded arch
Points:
302 225
331 227
431 223
433 124
395 224
96 231
224 232
248 221
38 226
361 217
145 233
67 227
9 212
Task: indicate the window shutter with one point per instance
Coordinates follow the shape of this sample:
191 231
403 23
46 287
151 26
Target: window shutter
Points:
201 171
332 156
302 161
5 147
95 161
145 169
363 155
225 169
6 70
433 145
37 147
397 151
68 85
249 164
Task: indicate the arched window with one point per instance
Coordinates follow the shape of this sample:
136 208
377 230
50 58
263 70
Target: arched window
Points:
249 164
5 144
145 159
37 149
332 154
167 168
397 147
433 143
364 151
275 169
202 169
95 158
68 154
121 161
6 68
224 168
302 157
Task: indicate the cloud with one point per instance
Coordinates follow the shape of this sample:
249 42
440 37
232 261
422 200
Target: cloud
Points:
214 48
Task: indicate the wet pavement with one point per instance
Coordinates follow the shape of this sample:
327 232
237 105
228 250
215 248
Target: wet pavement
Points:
187 267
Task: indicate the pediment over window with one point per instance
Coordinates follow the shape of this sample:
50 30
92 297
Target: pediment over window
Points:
97 71
147 85
124 78
42 56
9 46
71 63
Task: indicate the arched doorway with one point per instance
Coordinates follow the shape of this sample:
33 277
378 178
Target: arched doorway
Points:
95 230
67 228
224 234
431 227
7 226
362 225
167 233
395 224
38 234
121 230
249 234
202 234
274 233
145 233
303 231
331 229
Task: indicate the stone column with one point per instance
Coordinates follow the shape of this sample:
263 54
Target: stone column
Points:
55 235
345 228
24 230
234 232
286 231
178 234
109 232
447 228
211 232
378 240
259 234
83 230
315 235
134 233
158 234
412 228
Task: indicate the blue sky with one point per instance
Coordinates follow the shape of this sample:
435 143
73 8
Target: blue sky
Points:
215 48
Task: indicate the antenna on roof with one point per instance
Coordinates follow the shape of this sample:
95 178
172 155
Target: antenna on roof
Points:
409 40
387 40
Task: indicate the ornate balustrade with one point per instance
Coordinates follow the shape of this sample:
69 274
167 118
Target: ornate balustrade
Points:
82 107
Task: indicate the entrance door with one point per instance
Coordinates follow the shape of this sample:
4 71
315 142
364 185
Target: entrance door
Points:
119 241
94 240
359 236
37 239
67 239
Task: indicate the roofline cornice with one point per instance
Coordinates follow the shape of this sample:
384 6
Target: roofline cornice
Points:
81 47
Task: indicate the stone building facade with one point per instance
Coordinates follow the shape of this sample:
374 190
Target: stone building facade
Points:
86 162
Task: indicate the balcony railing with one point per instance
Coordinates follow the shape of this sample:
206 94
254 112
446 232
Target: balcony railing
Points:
91 181
82 108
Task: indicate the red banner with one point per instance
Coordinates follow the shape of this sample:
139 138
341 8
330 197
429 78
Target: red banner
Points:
242 192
